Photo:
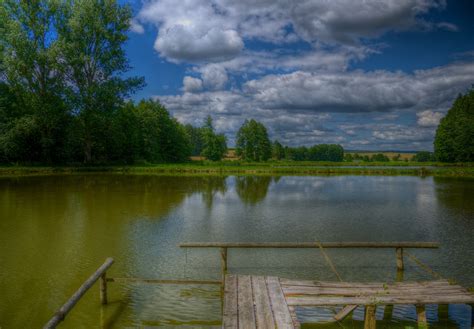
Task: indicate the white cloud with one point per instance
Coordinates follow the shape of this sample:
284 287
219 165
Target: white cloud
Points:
200 30
448 26
136 27
191 84
429 118
214 76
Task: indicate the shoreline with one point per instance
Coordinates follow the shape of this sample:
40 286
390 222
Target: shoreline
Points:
272 169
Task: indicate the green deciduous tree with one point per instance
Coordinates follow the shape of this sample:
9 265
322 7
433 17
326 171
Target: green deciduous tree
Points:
214 145
253 143
278 152
31 68
91 37
455 134
423 156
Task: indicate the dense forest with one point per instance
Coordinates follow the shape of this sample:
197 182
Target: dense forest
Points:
65 99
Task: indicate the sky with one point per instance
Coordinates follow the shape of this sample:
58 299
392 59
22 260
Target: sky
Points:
369 74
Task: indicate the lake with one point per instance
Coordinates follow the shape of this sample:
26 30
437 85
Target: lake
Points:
56 230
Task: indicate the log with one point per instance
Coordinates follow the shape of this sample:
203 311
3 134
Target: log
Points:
429 245
346 310
60 315
223 262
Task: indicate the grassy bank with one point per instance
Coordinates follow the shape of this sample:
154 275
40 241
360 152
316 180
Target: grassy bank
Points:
267 168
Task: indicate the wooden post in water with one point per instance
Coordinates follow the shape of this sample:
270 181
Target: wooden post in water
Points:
370 320
421 314
223 262
67 307
103 288
400 266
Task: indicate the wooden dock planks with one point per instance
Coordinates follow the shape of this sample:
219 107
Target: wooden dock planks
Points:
269 302
256 302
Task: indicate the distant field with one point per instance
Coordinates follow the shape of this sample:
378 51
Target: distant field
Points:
403 155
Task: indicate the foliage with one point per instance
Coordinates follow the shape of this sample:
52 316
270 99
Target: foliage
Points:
214 145
91 34
253 143
320 152
278 152
195 138
379 157
455 134
423 156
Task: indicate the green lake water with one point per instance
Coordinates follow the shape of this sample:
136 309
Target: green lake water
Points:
56 230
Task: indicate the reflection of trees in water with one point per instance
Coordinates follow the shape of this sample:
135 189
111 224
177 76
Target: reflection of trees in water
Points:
455 193
253 189
111 196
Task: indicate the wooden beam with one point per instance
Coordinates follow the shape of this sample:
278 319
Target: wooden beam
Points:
346 310
370 320
160 281
429 245
60 315
223 263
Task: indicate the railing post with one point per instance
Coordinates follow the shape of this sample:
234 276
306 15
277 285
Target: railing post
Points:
399 259
103 288
223 262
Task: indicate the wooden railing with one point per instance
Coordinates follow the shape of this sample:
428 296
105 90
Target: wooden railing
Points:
398 246
100 273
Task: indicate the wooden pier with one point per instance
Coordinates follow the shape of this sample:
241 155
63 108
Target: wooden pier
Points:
252 302
263 302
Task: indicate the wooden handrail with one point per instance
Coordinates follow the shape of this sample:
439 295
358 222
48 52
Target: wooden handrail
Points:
429 245
67 307
398 246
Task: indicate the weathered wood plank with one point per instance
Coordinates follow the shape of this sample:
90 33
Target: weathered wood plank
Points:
302 291
246 310
289 282
294 317
346 310
367 300
290 245
280 309
263 310
230 311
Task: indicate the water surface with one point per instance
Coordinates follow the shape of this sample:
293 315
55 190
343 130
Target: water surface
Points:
56 230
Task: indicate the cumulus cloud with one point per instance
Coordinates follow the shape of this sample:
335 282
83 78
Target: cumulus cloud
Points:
204 30
360 91
429 118
214 76
191 84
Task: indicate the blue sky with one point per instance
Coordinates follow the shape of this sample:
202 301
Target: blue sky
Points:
370 75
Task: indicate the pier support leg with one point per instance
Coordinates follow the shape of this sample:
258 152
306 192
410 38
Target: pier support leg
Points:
400 265
103 289
421 314
388 312
370 321
443 314
472 315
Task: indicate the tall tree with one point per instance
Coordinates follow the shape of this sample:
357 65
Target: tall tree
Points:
91 37
214 145
455 134
253 143
30 67
278 152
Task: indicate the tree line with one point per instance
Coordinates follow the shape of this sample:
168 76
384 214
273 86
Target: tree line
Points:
64 98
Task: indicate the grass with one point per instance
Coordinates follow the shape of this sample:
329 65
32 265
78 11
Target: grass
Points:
262 168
